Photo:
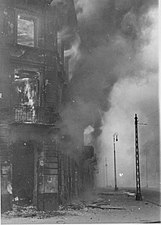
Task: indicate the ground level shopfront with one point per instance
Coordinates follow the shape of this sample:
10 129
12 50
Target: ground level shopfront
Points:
38 171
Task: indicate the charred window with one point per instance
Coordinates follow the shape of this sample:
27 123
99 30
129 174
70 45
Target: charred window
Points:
26 30
26 94
27 86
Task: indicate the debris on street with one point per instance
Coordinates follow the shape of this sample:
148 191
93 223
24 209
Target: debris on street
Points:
96 209
30 211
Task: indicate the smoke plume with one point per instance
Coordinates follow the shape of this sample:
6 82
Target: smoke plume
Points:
116 76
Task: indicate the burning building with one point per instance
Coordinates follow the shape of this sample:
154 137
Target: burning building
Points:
35 166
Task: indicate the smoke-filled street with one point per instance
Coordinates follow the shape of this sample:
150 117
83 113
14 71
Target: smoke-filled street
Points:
103 206
79 111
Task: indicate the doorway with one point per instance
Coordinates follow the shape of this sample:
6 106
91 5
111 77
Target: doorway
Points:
23 172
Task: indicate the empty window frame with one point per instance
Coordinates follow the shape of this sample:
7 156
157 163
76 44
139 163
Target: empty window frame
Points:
26 29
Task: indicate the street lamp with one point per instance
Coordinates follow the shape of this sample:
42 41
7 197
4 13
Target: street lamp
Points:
146 170
115 138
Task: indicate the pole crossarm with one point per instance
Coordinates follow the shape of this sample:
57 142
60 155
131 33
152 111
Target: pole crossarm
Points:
143 124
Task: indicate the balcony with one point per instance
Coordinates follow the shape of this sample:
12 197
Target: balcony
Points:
36 115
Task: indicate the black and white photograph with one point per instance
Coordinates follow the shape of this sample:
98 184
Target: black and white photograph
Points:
80 111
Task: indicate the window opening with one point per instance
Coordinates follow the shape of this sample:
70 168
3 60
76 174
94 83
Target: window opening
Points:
26 30
27 92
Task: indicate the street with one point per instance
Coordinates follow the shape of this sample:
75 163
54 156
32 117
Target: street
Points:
101 206
152 195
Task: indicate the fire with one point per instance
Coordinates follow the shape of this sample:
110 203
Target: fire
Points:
74 54
30 95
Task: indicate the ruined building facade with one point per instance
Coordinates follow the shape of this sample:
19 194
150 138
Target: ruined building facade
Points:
33 84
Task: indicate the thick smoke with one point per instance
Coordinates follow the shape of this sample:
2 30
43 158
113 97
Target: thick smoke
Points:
136 92
115 77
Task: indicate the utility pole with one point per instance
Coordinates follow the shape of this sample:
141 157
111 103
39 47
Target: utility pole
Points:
115 138
106 179
138 188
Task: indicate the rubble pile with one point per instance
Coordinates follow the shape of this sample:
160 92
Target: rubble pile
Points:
76 206
30 211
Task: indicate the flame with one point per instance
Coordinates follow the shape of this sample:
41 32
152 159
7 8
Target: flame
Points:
30 95
74 50
74 54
